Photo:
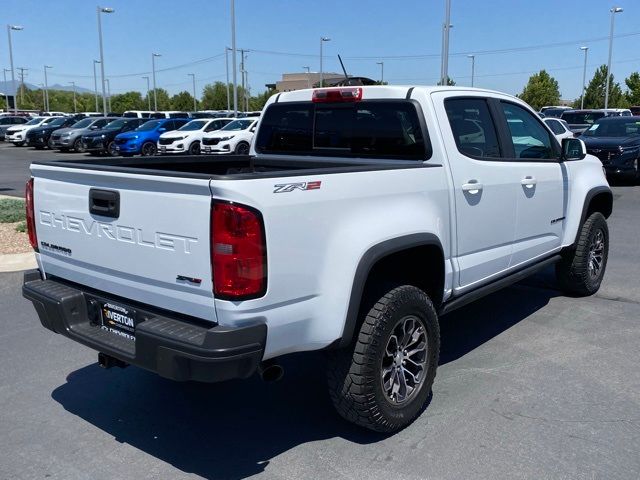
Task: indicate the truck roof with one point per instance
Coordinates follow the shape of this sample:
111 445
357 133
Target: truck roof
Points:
382 91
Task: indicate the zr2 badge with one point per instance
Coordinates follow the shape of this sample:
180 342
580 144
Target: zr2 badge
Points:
290 187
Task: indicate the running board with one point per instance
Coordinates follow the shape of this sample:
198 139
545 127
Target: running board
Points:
496 285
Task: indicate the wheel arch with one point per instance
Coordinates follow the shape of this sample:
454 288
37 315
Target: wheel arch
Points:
408 259
598 199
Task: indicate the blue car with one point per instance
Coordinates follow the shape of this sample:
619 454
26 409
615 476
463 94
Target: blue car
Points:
143 140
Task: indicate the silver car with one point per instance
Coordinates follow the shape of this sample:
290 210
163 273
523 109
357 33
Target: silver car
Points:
71 138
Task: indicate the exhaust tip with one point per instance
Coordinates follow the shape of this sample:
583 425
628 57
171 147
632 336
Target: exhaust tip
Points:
270 372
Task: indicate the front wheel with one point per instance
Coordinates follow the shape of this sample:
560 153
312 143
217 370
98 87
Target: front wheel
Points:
18 144
242 148
112 151
148 149
78 145
194 148
581 270
383 381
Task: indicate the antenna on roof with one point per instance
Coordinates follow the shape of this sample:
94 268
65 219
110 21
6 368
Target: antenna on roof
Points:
343 69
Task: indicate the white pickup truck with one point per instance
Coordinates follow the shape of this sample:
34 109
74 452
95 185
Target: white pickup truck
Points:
362 215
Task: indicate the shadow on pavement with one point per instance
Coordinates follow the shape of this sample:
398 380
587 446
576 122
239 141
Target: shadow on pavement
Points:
231 430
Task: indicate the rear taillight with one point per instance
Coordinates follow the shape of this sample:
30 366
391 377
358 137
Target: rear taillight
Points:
31 218
238 252
339 95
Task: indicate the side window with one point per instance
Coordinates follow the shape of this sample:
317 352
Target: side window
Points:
530 139
168 126
213 126
472 127
555 127
100 123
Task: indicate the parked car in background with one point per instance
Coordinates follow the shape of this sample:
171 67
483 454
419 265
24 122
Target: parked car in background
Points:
554 111
581 120
235 137
187 139
18 134
170 114
70 138
616 142
137 114
40 137
635 111
559 127
143 140
9 121
102 141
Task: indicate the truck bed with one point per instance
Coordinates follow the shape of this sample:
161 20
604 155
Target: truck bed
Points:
232 167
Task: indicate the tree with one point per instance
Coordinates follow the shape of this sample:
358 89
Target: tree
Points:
633 84
127 101
450 82
164 102
257 102
541 89
214 96
595 92
182 101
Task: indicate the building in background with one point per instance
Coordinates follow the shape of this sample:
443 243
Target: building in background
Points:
299 81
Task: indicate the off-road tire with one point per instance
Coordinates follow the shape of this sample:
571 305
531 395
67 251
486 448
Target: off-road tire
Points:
572 272
354 373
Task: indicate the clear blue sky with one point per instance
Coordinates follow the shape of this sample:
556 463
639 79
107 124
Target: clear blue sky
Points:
63 34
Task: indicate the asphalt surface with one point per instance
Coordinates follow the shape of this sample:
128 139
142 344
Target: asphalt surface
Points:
531 384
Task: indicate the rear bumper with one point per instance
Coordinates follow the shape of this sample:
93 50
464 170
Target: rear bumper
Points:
622 170
174 348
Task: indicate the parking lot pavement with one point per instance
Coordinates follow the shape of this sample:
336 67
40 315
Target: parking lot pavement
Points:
531 384
14 165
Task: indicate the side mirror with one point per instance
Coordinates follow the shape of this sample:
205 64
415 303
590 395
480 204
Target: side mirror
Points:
162 129
573 149
252 129
93 127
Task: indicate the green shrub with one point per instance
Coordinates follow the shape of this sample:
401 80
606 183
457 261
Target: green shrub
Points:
21 227
11 210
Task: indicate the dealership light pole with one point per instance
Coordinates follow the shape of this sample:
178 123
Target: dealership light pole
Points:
444 74
233 58
44 101
473 68
13 75
613 11
155 92
381 72
95 83
106 80
195 104
75 107
584 76
148 92
308 69
322 40
99 11
226 62
46 87
6 97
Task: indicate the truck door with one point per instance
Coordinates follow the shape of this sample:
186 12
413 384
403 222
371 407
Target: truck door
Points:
484 187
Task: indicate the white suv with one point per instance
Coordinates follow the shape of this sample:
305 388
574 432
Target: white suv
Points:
188 137
235 138
18 134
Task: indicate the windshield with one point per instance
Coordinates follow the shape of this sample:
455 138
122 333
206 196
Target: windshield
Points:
237 125
581 118
57 122
615 128
193 125
148 126
116 124
35 121
84 123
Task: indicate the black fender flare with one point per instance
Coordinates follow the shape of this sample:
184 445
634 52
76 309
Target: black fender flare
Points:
366 263
591 194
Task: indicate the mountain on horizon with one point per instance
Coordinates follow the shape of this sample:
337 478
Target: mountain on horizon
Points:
67 88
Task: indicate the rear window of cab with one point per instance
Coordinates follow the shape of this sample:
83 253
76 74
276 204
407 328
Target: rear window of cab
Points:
389 129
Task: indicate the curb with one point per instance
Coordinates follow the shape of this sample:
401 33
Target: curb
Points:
17 262
12 198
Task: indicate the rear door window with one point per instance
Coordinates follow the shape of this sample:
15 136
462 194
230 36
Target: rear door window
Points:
472 127
370 129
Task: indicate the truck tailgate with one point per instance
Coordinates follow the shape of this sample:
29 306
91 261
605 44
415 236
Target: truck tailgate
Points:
154 250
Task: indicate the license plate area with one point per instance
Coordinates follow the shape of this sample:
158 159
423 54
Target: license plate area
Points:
117 319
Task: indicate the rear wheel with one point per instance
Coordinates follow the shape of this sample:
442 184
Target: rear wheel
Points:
383 381
148 149
580 272
194 148
242 148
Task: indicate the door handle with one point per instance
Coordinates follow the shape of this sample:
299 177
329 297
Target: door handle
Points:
528 181
472 186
